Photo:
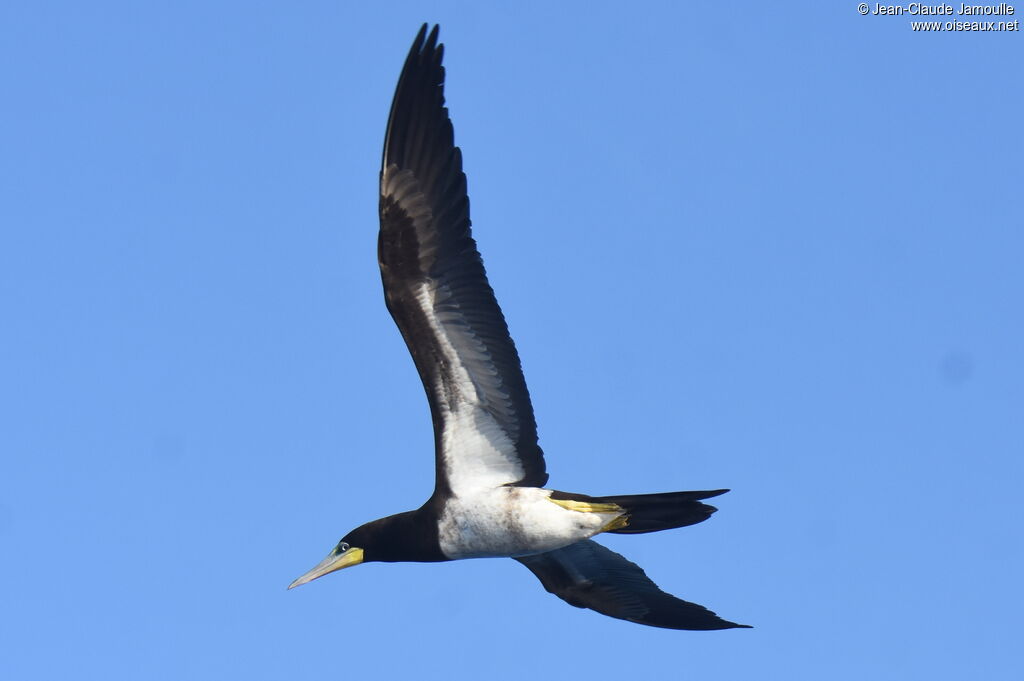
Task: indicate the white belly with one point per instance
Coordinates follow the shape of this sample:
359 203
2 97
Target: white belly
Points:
512 521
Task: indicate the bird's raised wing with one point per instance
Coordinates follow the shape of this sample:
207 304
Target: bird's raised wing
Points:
588 575
437 291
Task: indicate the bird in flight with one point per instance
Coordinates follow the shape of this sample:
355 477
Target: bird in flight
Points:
489 497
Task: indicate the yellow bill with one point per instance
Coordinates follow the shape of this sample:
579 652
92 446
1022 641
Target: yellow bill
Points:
333 561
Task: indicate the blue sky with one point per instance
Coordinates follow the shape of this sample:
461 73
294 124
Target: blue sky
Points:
772 248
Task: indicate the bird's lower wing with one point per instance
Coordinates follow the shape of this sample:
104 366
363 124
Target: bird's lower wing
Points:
588 575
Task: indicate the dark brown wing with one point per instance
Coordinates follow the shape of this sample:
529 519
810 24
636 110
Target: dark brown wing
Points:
437 291
588 575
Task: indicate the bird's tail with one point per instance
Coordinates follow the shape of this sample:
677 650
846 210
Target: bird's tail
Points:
653 512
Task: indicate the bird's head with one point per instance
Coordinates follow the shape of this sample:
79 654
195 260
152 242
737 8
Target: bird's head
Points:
400 537
354 548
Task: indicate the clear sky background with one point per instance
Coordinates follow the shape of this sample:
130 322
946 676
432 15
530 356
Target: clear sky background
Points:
775 247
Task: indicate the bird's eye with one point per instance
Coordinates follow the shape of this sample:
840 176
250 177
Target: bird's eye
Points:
342 547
